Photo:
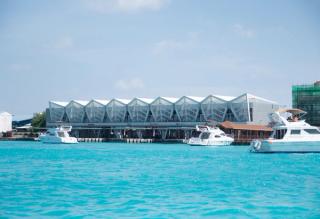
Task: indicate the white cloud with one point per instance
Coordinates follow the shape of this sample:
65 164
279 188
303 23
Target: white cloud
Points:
166 45
64 43
130 84
18 67
128 5
243 31
105 6
171 45
240 67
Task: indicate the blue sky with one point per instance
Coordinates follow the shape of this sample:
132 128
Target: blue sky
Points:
84 49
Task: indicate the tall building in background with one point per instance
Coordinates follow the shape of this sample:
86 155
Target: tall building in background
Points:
307 98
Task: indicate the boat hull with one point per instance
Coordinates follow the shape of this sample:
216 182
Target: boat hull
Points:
198 142
285 147
55 140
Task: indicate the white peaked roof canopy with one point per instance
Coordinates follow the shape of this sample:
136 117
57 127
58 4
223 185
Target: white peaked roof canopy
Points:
124 101
250 96
81 102
103 102
197 99
60 103
225 98
170 99
146 100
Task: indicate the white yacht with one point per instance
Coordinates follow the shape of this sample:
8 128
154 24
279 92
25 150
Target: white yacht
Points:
290 134
58 135
210 136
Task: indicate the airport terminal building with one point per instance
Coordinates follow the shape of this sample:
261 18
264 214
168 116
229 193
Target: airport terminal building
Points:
162 117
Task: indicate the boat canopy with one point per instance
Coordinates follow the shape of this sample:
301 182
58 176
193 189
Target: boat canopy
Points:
292 111
287 115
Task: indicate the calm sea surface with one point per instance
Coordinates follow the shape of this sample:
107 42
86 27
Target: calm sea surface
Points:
106 180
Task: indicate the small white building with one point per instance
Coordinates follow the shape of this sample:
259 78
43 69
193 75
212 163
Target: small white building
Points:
5 122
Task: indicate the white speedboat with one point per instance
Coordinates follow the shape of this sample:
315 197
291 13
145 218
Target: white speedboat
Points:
290 134
58 135
210 136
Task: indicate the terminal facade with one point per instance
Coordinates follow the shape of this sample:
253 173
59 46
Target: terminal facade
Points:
162 117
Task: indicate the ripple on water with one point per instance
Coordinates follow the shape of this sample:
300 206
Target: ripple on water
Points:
155 181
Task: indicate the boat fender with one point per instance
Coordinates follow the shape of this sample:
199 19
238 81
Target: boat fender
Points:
257 145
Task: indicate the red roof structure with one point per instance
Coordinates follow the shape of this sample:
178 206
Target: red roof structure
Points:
237 126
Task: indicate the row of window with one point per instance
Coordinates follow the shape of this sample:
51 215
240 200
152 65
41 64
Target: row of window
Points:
206 135
310 131
279 134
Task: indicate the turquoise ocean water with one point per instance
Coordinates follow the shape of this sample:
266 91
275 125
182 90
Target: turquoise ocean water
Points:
105 180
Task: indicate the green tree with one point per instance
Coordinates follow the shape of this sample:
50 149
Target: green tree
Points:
39 120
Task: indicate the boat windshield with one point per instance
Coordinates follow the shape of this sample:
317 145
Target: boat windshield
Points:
312 131
61 134
279 134
205 135
295 132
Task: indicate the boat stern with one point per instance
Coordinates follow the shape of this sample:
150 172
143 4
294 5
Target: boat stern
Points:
195 142
69 140
260 146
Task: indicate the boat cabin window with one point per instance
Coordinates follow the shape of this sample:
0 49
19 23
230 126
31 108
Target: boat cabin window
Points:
295 132
61 134
279 134
312 131
217 136
205 135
